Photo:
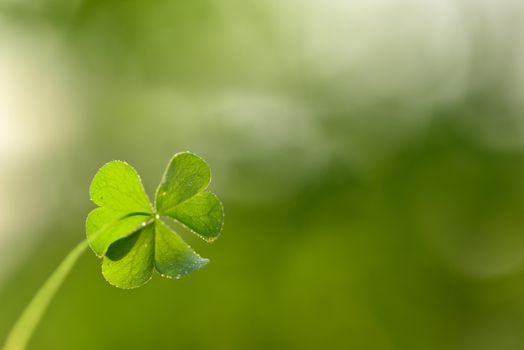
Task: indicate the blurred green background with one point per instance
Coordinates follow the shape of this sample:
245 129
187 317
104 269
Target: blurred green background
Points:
370 157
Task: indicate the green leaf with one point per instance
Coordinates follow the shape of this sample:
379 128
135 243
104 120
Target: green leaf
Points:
203 214
117 186
128 262
126 232
185 176
173 257
105 226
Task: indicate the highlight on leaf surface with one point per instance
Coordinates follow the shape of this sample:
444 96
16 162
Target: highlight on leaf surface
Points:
126 230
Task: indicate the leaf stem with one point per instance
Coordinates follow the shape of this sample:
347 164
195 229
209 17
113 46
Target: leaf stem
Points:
24 327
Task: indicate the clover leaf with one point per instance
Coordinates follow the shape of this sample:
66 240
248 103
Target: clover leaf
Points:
127 232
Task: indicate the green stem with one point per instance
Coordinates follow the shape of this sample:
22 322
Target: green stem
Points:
27 322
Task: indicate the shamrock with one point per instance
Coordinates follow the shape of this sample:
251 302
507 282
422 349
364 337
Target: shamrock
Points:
126 230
